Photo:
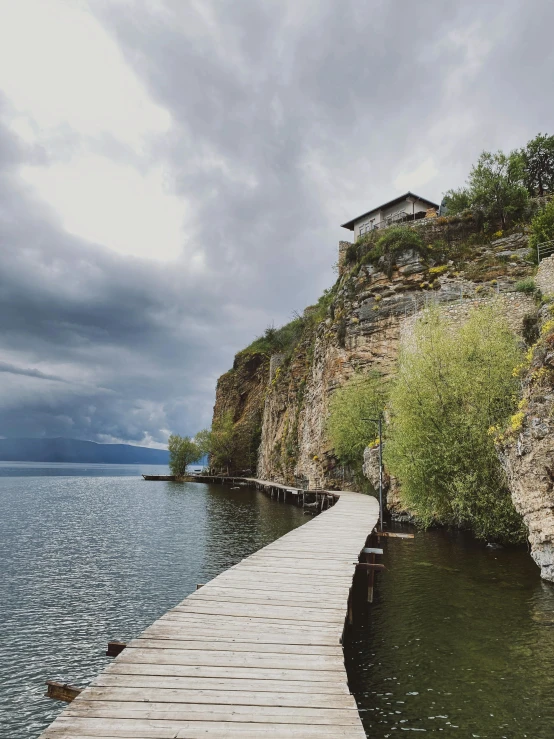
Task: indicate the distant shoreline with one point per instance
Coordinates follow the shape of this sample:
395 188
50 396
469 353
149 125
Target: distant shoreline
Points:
61 450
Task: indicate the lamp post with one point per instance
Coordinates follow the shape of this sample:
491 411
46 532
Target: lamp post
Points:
379 421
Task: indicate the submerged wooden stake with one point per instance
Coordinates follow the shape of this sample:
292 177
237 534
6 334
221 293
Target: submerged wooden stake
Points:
61 691
115 648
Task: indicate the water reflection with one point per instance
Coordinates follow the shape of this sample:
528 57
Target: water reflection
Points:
459 641
86 559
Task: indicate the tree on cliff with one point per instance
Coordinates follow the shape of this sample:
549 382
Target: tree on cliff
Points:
182 452
453 385
457 200
351 405
219 442
496 187
542 228
538 159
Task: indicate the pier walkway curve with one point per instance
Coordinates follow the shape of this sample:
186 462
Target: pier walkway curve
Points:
255 653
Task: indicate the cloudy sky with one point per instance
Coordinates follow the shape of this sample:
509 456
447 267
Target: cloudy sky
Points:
173 174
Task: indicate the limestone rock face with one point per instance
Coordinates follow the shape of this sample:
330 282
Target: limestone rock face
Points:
529 458
529 464
391 488
369 318
240 393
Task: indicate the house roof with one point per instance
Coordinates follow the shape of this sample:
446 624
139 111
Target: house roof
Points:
350 224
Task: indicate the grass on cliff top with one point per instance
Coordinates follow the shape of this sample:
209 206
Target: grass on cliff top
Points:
283 340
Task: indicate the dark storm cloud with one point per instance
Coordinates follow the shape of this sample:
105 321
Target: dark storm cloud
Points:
28 372
288 118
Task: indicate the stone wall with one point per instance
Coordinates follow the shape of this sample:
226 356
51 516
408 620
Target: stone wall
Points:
545 276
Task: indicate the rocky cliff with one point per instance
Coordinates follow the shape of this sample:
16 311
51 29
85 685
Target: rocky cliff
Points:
527 449
280 399
240 393
357 327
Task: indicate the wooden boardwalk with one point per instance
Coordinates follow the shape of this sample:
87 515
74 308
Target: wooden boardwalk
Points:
256 652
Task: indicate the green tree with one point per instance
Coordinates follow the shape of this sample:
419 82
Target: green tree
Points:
203 441
496 187
182 452
538 159
542 228
453 385
457 201
361 398
220 442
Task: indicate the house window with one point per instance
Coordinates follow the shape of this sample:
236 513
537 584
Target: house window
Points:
366 227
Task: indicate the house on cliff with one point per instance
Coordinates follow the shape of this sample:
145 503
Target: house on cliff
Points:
408 207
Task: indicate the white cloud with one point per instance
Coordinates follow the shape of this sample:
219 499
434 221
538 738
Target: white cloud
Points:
113 205
63 70
63 75
417 177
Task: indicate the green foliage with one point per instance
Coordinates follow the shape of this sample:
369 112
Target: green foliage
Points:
283 340
542 228
453 385
496 187
276 340
362 397
538 159
203 441
526 286
221 442
182 452
352 253
457 201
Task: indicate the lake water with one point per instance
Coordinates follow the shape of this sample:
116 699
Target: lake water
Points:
90 553
459 643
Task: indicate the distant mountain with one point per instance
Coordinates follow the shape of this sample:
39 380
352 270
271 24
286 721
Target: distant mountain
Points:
77 450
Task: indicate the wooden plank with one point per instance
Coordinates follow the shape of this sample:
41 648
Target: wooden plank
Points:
229 610
215 697
200 633
323 607
257 611
163 729
218 671
267 590
217 658
145 729
235 646
296 687
216 713
187 617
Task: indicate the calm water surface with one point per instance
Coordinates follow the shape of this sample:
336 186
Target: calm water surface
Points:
459 643
90 553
